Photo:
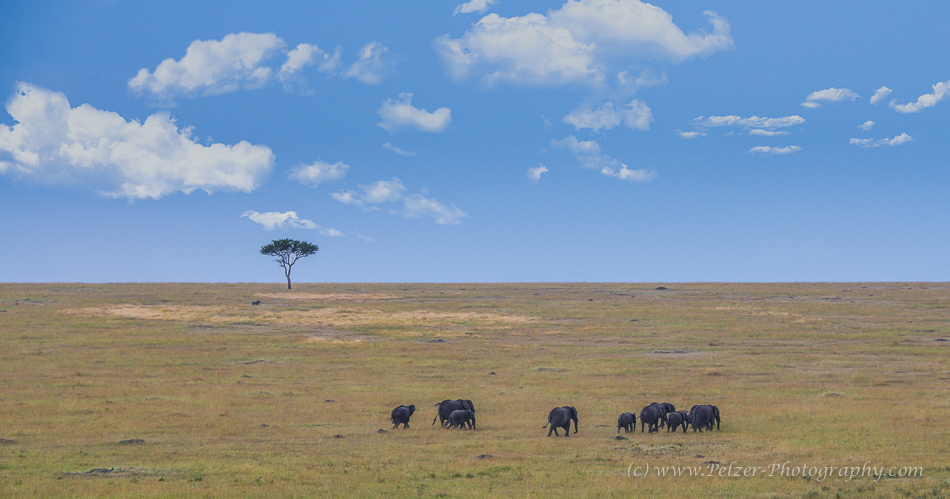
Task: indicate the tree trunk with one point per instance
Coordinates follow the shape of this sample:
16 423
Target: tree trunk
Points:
288 281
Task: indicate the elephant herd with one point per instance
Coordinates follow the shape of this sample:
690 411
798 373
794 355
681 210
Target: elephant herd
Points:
461 412
656 416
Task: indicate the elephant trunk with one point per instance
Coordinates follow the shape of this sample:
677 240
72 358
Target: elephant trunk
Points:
575 426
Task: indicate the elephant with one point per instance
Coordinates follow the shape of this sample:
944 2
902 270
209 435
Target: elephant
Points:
675 419
446 407
457 419
627 421
666 407
561 417
702 416
401 415
651 416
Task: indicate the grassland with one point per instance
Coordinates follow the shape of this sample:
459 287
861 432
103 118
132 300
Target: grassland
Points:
219 398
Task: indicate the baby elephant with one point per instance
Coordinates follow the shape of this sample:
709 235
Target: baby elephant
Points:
627 421
675 419
402 414
457 419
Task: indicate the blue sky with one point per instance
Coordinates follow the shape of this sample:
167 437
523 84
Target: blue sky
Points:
592 140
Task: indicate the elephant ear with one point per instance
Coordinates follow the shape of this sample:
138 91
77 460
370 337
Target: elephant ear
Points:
574 413
412 409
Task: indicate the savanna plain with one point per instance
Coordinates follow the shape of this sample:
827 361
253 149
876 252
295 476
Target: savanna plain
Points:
189 390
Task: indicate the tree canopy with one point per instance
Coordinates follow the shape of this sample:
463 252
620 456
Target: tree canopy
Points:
287 252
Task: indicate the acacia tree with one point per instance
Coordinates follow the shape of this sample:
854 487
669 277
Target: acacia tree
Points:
287 252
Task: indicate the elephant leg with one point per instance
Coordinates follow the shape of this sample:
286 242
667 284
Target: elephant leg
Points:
567 430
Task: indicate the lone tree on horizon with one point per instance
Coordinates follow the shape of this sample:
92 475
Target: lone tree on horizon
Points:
287 252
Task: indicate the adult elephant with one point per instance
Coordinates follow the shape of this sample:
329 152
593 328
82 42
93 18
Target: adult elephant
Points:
665 408
401 415
651 416
458 419
561 417
446 407
627 421
702 417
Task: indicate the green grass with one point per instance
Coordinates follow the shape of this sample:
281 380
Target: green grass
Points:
285 399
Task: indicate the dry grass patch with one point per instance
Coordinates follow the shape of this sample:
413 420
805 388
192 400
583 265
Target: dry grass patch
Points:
328 296
285 399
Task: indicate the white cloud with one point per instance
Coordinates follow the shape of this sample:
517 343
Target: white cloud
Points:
636 116
417 205
212 67
627 174
774 150
473 6
275 220
588 154
880 94
55 143
534 174
398 150
364 238
575 43
398 114
829 94
766 133
288 220
924 101
896 141
753 122
646 78
414 205
867 125
577 147
306 54
689 135
371 68
318 172
381 191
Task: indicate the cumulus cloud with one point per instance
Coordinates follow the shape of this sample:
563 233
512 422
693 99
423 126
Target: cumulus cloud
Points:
53 142
625 173
534 174
896 141
830 95
774 150
880 94
689 135
766 133
473 6
589 155
271 220
398 150
867 125
636 116
239 61
306 54
371 68
318 172
413 205
212 67
398 114
924 101
753 122
576 43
